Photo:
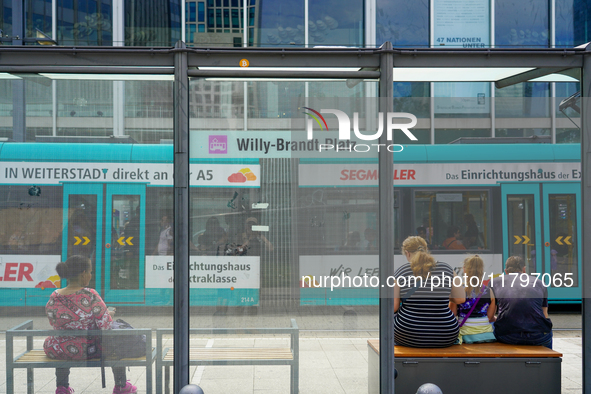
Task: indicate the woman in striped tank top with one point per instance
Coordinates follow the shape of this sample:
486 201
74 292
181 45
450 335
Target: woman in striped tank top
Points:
422 293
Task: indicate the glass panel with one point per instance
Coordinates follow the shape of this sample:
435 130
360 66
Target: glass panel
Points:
453 220
6 17
192 12
153 23
201 12
279 23
82 225
125 229
521 224
264 219
519 24
563 236
56 200
336 22
38 18
571 17
85 22
413 97
404 23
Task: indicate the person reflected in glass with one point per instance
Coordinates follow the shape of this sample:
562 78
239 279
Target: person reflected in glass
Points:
352 242
421 306
453 242
78 307
253 241
371 239
471 235
212 242
165 241
422 232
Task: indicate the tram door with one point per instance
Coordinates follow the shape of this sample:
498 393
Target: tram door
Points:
106 223
541 223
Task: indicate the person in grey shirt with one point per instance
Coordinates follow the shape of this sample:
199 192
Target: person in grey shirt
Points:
522 307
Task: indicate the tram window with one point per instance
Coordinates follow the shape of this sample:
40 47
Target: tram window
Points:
125 255
222 222
159 216
31 220
453 219
333 221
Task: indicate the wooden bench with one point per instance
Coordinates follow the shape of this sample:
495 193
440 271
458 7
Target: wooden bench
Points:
36 358
483 368
232 356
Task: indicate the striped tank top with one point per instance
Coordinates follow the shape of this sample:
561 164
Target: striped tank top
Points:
424 319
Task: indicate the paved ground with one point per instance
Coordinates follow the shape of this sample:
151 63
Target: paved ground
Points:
333 353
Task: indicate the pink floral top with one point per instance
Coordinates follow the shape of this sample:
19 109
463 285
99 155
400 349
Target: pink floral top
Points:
83 310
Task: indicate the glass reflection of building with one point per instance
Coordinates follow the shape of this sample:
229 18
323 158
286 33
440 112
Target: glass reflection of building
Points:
523 110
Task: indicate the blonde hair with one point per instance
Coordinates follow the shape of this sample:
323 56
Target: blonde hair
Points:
473 267
421 262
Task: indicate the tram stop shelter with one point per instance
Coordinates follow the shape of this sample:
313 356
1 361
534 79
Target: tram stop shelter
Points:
380 66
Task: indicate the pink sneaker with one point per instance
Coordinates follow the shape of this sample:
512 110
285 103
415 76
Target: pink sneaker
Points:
64 390
128 389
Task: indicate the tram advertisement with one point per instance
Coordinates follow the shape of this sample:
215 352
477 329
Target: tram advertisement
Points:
208 272
29 271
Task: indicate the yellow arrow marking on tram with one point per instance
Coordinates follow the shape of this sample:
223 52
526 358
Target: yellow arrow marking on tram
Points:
78 240
567 240
86 241
558 240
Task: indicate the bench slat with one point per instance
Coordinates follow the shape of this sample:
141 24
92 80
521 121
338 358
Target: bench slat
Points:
483 350
196 354
38 356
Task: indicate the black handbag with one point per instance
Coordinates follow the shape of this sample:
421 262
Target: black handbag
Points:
121 346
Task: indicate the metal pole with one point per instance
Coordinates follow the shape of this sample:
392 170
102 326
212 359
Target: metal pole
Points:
181 220
586 215
386 223
19 115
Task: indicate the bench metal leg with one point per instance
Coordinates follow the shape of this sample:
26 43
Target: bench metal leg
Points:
9 380
149 379
167 380
30 381
295 379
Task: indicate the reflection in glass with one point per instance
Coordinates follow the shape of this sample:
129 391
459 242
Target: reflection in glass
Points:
521 225
447 136
37 18
571 19
461 99
523 100
279 23
85 22
412 97
523 24
404 23
217 23
563 236
152 23
336 22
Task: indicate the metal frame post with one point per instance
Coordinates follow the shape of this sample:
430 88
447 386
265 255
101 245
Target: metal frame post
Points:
19 102
181 218
586 215
386 223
